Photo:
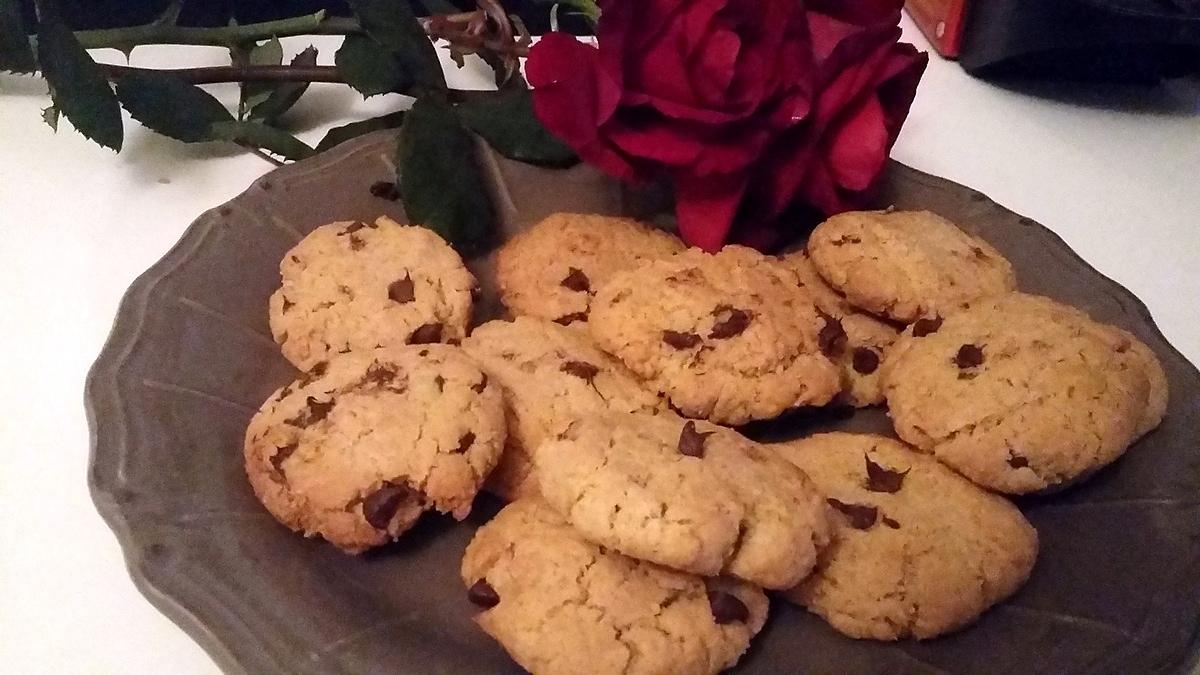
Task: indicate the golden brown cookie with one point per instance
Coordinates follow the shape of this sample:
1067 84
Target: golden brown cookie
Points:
917 551
362 445
553 269
906 264
686 494
550 376
729 337
353 286
561 605
855 339
1020 393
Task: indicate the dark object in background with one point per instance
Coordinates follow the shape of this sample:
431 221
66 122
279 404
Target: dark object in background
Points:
89 14
1129 41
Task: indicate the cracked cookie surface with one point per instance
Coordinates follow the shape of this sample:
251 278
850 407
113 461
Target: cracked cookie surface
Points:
562 605
906 264
553 269
853 338
361 446
1020 393
685 494
351 286
550 376
917 551
729 337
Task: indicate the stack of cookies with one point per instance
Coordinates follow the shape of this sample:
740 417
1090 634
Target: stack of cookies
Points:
641 529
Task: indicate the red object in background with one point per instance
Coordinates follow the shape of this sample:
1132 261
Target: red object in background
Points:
941 21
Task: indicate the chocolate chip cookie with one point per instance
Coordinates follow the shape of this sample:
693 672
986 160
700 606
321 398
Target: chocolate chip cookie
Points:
906 264
561 605
730 337
686 494
553 269
550 376
852 337
351 286
357 449
1020 393
917 551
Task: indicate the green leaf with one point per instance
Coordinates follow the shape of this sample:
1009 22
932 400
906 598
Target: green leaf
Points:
269 53
440 179
15 54
339 135
171 106
50 117
77 85
187 113
588 8
393 25
508 124
259 135
370 68
285 95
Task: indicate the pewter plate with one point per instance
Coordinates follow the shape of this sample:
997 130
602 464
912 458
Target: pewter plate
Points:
190 358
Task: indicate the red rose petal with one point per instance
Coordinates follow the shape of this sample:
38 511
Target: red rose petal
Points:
656 138
573 98
705 206
859 147
715 63
860 12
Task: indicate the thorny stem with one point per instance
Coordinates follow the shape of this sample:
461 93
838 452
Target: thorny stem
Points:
466 29
215 74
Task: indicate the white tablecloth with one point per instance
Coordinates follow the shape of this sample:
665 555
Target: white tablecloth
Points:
1116 173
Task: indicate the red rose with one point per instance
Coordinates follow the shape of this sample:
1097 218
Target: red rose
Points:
716 94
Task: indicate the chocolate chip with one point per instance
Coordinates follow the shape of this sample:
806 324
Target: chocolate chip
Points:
890 523
427 334
481 593
862 516
315 411
576 280
402 290
680 340
313 373
352 228
296 259
287 304
691 442
385 189
846 239
734 323
346 291
440 383
866 361
381 505
481 385
882 479
356 243
280 455
568 319
924 327
283 393
979 253
1017 461
581 369
832 338
464 443
727 608
380 374
968 356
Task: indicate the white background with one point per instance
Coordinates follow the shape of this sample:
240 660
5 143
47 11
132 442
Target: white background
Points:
1115 172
